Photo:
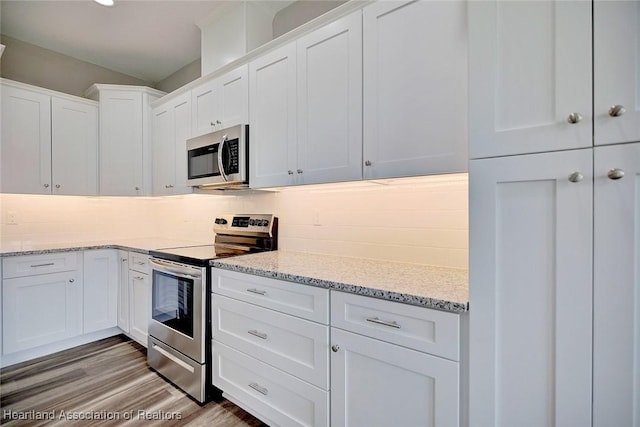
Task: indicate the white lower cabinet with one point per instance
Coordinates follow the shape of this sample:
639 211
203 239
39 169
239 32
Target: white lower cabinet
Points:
100 300
41 309
375 382
271 347
123 291
139 296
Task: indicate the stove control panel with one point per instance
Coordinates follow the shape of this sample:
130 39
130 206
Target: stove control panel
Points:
256 223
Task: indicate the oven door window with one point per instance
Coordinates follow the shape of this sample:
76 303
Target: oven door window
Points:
203 162
172 302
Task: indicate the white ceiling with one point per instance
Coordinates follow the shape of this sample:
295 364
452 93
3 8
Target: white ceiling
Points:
147 39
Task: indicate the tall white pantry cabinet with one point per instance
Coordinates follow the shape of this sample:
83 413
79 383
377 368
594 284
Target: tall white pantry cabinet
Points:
554 213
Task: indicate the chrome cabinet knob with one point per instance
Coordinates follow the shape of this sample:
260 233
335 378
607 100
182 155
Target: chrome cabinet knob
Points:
574 118
217 122
299 170
57 185
290 172
367 163
46 186
137 188
617 111
335 348
71 280
615 174
576 177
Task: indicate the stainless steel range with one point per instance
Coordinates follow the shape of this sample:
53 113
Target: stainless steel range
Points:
179 327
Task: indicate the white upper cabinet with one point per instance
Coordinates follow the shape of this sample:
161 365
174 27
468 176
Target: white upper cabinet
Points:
221 102
272 109
616 303
125 138
530 76
415 88
26 141
531 290
616 65
171 129
74 147
329 117
49 142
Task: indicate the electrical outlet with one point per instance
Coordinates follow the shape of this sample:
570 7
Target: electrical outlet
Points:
12 218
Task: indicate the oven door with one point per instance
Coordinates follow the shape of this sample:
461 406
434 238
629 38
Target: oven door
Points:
178 307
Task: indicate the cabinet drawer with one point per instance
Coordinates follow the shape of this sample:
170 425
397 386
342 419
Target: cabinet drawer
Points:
299 300
268 393
139 262
423 329
32 265
297 346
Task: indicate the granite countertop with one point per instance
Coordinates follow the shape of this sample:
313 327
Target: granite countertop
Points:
433 287
141 245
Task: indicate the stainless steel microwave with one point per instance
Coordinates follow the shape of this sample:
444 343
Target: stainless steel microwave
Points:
219 159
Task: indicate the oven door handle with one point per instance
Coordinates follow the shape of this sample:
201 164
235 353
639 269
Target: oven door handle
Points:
220 165
169 268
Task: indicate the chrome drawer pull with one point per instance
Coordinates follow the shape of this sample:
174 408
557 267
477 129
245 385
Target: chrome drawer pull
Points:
259 389
383 322
44 265
256 291
258 334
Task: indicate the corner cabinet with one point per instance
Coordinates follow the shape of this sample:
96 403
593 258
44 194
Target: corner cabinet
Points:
415 88
100 297
125 138
171 129
49 142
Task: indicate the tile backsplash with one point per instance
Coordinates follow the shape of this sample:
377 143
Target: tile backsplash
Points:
417 220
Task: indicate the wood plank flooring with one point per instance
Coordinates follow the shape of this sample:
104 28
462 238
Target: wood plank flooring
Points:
108 380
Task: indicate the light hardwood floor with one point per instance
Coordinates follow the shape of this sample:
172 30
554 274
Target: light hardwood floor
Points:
108 380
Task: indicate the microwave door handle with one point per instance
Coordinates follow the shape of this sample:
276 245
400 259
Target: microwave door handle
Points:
220 165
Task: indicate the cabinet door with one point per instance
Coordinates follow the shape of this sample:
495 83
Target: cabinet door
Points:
26 141
616 53
374 383
139 306
272 108
163 150
330 102
101 275
121 150
530 69
616 357
531 290
123 291
205 100
234 97
171 129
415 88
74 145
38 310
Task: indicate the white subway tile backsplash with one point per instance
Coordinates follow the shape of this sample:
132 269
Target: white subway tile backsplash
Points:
422 220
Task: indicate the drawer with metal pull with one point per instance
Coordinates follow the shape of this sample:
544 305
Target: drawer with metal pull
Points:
295 345
308 302
274 396
139 262
423 329
33 265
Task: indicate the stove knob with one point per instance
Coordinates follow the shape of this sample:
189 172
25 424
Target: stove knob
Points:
223 221
217 221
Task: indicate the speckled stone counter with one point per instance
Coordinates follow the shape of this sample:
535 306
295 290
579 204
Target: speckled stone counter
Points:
433 287
141 245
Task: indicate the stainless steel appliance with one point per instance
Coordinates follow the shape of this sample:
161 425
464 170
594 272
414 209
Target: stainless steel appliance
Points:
179 325
219 159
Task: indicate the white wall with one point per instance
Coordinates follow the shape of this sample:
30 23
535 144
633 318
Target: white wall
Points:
417 220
